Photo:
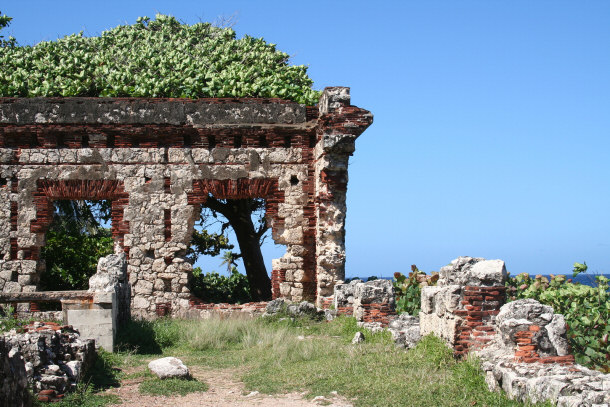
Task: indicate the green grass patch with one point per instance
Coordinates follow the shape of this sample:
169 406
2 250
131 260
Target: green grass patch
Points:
171 387
279 355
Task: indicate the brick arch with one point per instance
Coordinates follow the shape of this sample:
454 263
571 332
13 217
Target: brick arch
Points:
48 191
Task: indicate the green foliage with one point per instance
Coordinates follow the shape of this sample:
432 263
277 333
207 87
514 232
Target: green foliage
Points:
9 320
408 290
204 243
148 337
71 258
586 310
154 58
171 387
212 287
5 21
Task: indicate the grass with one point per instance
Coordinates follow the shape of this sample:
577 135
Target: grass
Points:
171 387
302 355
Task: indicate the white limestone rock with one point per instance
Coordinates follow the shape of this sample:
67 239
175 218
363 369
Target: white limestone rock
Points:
169 368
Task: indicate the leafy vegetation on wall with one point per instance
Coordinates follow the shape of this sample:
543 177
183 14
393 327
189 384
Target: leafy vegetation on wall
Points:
408 289
158 57
585 308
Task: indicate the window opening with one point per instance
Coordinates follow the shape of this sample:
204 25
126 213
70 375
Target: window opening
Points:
75 241
230 251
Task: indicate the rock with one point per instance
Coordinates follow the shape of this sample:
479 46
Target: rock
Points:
528 314
473 271
169 368
275 306
303 308
74 368
405 331
358 338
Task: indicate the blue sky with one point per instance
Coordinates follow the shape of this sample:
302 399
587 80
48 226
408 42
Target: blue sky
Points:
492 122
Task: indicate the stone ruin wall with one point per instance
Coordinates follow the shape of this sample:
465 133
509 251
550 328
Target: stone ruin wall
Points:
156 160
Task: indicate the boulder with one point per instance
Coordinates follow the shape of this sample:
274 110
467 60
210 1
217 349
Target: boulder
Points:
169 368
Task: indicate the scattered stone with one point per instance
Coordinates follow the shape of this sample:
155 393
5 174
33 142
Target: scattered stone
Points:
301 309
169 368
358 338
48 357
253 394
405 331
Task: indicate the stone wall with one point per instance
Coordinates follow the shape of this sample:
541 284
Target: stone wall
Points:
50 358
462 307
523 344
371 302
157 160
13 379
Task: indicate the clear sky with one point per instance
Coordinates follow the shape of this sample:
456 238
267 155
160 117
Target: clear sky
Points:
492 118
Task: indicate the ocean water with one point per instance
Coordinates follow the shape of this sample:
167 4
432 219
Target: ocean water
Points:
586 279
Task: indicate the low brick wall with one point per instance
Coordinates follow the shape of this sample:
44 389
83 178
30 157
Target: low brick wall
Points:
481 306
201 309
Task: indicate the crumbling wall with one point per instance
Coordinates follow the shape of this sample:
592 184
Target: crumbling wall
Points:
13 379
462 307
371 302
157 160
50 358
523 344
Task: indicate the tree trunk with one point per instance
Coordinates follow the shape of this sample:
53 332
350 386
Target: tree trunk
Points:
239 215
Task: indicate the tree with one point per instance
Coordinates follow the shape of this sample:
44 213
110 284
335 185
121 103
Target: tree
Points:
5 21
238 213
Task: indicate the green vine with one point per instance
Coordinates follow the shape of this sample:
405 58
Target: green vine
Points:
154 58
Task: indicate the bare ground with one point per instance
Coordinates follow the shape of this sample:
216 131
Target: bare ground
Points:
225 389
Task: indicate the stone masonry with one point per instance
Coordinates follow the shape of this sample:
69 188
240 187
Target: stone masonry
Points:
462 307
157 161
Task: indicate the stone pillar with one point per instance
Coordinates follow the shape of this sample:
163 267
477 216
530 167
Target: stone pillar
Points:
340 125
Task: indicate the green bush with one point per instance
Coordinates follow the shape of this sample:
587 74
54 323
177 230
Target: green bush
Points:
71 258
586 310
212 287
408 290
154 58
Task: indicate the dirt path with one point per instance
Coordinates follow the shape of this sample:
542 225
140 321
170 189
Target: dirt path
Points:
224 390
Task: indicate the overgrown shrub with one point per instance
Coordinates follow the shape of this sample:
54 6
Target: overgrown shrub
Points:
586 310
154 58
213 287
408 290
